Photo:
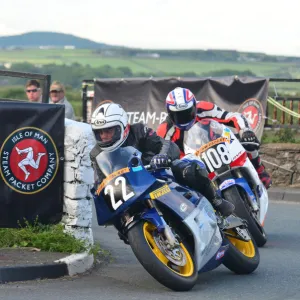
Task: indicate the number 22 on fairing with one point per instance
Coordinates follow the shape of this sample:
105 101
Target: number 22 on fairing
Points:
111 191
215 157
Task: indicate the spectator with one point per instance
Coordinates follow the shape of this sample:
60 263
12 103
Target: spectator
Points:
57 96
33 91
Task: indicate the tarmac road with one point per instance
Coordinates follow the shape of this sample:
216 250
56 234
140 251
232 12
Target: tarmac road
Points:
277 277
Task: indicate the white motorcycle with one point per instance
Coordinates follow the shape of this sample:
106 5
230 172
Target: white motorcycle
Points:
231 172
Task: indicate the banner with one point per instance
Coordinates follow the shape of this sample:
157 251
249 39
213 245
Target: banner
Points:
144 99
31 168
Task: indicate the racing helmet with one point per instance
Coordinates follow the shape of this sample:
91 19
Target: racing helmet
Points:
110 126
181 107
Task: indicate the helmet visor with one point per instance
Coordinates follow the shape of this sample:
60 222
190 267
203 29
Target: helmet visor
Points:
107 137
184 116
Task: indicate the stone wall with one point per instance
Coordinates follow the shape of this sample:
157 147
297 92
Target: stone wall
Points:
283 163
78 180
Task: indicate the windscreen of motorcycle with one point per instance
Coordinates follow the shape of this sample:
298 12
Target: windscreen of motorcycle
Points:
213 143
200 134
209 141
109 162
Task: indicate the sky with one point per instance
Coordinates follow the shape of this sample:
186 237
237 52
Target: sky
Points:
268 26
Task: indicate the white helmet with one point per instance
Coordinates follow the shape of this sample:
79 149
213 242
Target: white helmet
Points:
110 125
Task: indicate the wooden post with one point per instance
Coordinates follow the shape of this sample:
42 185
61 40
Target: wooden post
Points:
299 111
275 113
291 108
283 113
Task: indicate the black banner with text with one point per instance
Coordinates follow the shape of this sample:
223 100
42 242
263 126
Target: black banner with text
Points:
144 99
32 143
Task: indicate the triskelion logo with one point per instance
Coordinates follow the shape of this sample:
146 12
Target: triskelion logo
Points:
29 160
252 110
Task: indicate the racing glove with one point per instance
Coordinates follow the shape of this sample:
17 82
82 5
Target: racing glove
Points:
159 161
249 140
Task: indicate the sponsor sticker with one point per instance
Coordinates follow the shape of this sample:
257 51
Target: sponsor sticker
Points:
226 134
137 169
210 144
183 207
227 183
220 254
159 192
100 122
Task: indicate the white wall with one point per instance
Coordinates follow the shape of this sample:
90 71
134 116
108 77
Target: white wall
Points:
78 180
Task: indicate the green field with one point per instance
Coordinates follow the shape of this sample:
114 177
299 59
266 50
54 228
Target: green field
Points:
147 65
157 67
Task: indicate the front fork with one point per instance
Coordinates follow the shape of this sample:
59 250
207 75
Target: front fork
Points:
154 216
251 196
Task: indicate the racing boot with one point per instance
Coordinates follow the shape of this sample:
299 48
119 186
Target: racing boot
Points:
263 175
223 206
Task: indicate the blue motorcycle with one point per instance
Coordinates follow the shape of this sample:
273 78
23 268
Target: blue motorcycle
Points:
173 231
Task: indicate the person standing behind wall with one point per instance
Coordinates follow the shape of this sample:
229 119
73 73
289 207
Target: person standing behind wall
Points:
57 96
33 91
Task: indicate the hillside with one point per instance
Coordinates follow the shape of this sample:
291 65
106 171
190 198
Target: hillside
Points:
51 39
34 40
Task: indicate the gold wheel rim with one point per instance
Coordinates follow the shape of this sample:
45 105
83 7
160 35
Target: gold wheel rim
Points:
246 248
185 271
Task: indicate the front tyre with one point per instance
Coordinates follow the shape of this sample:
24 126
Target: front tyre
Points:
242 257
237 198
174 269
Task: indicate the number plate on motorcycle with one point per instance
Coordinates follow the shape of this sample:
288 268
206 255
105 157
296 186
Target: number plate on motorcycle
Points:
215 155
159 192
111 177
210 144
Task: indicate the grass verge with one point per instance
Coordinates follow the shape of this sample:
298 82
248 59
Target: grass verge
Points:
284 135
44 237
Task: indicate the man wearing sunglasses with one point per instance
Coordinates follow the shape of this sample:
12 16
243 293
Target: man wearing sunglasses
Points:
33 91
57 96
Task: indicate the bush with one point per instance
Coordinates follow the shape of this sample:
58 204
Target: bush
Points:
285 135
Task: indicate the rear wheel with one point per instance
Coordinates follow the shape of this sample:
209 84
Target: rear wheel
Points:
242 257
243 211
174 269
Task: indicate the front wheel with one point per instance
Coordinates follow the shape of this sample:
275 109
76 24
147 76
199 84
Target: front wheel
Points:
237 198
242 257
174 269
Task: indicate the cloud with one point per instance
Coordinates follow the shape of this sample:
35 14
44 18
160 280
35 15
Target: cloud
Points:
270 26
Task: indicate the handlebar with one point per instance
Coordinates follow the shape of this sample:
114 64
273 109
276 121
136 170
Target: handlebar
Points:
148 167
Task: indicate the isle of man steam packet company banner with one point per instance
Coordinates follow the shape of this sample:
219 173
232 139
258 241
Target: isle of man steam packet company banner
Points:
144 99
31 171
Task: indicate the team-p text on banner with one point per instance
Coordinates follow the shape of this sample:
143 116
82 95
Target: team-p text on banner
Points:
144 99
